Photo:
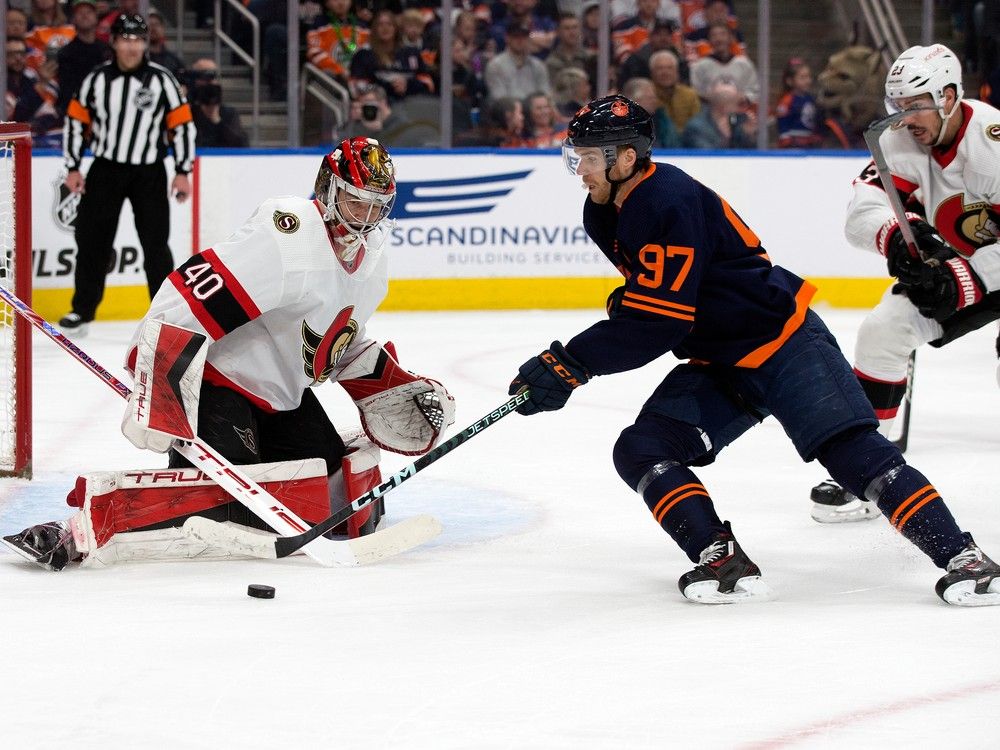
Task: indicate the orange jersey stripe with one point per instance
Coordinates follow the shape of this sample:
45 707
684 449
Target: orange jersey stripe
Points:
179 116
652 168
658 311
761 354
745 232
78 112
912 498
655 301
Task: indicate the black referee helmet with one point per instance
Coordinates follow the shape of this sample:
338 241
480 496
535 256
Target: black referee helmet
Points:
130 24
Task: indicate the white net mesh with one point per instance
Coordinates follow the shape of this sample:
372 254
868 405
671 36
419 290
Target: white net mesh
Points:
8 338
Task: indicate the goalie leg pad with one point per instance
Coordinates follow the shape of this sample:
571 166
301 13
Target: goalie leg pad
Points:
359 474
119 502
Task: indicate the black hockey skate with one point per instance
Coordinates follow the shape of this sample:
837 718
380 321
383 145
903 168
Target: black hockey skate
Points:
973 579
48 544
724 574
833 504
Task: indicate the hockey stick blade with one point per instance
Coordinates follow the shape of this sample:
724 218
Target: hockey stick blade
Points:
285 546
271 547
371 548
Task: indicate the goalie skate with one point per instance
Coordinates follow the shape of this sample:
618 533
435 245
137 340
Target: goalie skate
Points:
724 575
973 579
833 504
49 545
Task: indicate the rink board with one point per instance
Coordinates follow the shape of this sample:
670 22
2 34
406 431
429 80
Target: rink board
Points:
479 229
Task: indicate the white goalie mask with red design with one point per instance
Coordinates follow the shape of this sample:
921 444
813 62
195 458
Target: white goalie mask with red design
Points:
357 185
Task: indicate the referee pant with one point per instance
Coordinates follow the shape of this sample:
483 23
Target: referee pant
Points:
108 184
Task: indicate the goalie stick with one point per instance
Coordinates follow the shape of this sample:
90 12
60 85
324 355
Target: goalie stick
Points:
327 552
267 546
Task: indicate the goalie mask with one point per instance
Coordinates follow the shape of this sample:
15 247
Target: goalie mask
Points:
357 185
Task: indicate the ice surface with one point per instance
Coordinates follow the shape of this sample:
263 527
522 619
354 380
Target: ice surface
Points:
546 615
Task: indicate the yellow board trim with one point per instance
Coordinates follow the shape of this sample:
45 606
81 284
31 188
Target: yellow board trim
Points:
130 302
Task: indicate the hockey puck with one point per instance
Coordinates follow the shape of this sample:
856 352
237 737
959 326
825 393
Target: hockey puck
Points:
258 591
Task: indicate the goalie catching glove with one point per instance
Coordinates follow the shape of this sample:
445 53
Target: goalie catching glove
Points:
400 412
163 407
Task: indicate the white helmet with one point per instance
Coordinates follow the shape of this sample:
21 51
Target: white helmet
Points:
923 70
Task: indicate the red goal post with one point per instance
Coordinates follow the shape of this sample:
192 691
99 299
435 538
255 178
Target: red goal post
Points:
15 274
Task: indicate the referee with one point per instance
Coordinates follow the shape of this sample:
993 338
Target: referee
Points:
128 110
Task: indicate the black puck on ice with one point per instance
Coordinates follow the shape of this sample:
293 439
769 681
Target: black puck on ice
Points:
258 591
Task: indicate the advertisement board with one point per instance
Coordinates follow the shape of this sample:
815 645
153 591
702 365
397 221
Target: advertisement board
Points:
480 230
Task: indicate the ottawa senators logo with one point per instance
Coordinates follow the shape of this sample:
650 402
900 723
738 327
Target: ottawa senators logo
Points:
967 227
320 354
286 223
619 108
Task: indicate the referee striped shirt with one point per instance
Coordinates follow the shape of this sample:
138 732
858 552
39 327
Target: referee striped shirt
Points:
128 118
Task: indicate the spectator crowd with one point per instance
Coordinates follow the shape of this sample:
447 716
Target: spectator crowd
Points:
520 68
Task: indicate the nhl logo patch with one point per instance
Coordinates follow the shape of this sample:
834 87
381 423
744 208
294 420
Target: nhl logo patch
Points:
285 222
143 99
66 205
993 132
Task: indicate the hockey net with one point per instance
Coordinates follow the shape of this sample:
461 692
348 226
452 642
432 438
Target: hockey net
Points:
15 275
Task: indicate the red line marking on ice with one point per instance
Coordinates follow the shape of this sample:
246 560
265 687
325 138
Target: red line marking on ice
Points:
874 712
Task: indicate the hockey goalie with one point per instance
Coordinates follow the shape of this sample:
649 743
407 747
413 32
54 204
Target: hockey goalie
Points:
229 351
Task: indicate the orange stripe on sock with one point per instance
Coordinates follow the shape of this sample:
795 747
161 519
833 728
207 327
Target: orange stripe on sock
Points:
669 500
912 498
663 514
918 506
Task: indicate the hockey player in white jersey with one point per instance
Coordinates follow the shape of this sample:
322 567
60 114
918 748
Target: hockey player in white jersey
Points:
944 159
229 351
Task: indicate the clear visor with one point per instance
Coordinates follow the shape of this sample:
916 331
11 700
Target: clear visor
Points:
898 104
360 211
584 160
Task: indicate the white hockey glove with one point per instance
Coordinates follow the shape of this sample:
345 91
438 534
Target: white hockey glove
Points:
164 404
400 412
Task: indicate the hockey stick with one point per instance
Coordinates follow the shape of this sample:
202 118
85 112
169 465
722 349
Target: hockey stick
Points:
904 435
270 547
326 552
872 135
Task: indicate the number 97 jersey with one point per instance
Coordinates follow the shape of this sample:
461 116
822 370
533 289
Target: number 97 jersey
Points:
697 280
281 310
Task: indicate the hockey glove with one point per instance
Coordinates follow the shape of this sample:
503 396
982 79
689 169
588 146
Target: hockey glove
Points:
910 270
400 411
953 286
551 376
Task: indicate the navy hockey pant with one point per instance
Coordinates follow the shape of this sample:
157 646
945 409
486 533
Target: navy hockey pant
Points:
811 390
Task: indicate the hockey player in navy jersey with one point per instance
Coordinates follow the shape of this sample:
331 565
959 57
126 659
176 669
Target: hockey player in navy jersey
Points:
698 283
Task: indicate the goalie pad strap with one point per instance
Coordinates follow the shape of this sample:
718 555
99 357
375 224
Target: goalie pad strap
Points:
116 502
